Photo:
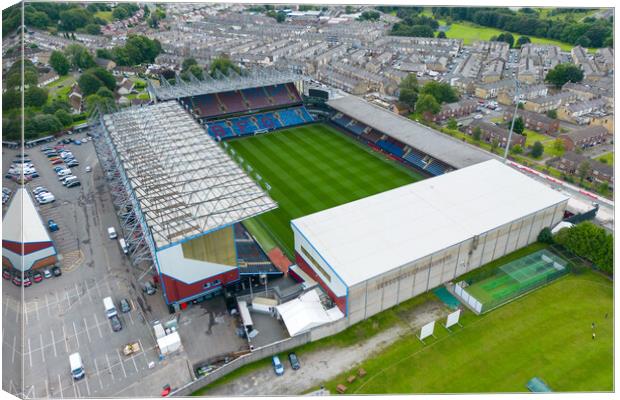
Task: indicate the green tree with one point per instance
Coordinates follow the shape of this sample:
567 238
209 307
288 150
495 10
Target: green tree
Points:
477 134
507 38
523 40
545 236
408 93
105 92
64 117
188 62
59 62
93 101
442 92
55 105
441 35
93 29
494 145
516 149
563 73
537 150
35 96
224 65
11 99
104 76
120 13
79 56
280 17
427 104
552 114
349 10
89 83
603 188
583 170
519 126
452 124
74 18
590 242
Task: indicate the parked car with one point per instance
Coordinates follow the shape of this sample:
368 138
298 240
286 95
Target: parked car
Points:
56 271
53 226
58 168
125 307
277 366
6 274
47 274
37 277
149 288
17 281
292 357
73 163
39 189
56 162
88 169
116 323
112 233
47 200
73 184
27 281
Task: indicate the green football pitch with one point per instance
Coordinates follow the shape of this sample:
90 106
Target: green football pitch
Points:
312 168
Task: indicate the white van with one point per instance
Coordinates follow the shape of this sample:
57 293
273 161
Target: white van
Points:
110 310
77 368
112 232
123 245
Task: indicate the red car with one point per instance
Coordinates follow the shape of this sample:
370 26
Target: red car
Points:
37 277
27 282
58 161
17 281
6 274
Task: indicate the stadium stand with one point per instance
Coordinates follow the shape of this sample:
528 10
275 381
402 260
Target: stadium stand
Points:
415 158
249 124
252 260
390 147
371 135
281 94
232 101
436 167
205 106
256 98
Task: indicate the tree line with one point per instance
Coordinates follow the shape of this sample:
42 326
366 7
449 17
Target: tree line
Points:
589 32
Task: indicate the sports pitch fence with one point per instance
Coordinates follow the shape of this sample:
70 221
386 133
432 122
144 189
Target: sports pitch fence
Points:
488 291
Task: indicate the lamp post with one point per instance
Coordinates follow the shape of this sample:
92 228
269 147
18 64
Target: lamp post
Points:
514 118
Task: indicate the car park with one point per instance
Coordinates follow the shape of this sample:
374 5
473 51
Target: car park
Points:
58 168
56 271
39 189
149 289
63 173
27 281
77 368
112 233
55 162
37 277
47 200
73 163
73 184
17 281
47 274
66 178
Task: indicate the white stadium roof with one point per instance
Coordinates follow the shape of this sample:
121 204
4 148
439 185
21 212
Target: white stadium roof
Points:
368 237
30 229
436 144
184 181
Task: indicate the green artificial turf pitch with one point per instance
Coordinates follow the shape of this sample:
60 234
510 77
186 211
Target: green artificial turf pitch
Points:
312 168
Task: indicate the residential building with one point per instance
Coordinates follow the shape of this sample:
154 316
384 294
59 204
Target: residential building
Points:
491 90
526 92
490 131
585 137
534 121
75 98
597 171
605 120
47 78
543 104
577 112
454 110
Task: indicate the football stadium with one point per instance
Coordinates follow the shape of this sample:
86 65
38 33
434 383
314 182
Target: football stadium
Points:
242 176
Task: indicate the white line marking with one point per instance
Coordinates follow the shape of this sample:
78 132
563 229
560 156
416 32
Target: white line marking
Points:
14 349
17 312
87 387
47 305
98 374
131 318
110 367
42 349
68 299
133 359
86 328
26 314
29 353
65 338
77 339
98 327
47 389
75 389
88 292
146 360
54 343
60 387
121 361
6 305
98 289
37 310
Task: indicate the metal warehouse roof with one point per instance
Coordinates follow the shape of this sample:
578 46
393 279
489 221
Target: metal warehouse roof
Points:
371 236
22 223
436 144
184 181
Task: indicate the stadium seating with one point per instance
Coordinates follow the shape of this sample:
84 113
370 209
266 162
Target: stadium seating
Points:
220 129
205 105
232 101
390 147
341 120
293 93
356 127
305 115
436 168
256 97
281 94
244 126
371 136
267 121
416 158
289 117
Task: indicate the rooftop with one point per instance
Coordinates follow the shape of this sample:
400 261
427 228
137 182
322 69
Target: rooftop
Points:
185 184
22 222
374 235
430 141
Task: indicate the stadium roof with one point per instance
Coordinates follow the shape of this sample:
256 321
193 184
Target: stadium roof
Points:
371 236
22 223
436 144
195 87
185 183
